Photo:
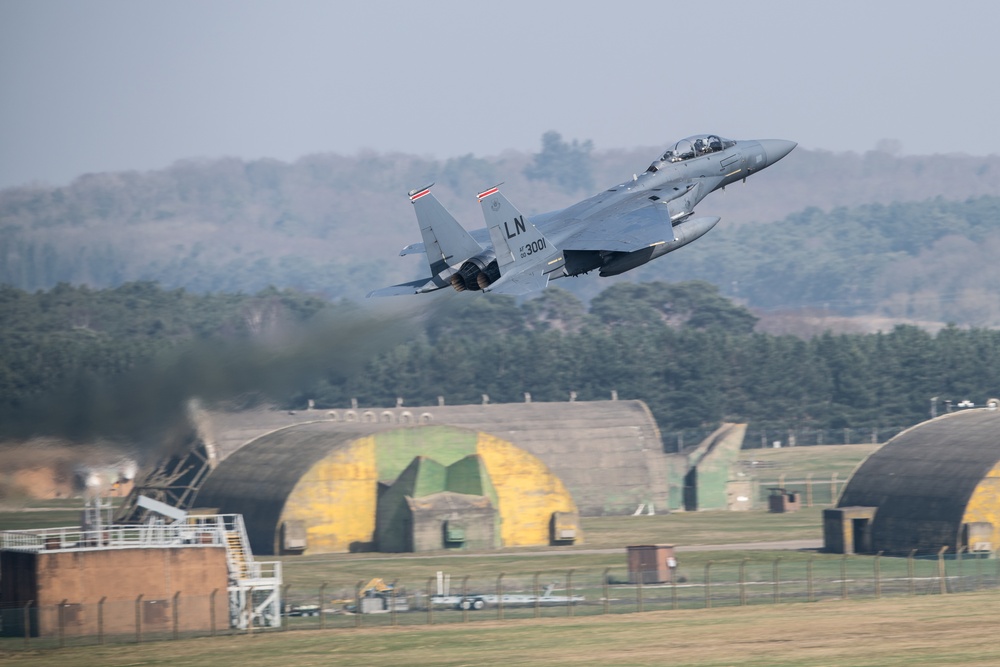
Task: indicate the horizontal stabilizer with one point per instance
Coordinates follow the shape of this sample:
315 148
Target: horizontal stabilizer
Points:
516 284
412 287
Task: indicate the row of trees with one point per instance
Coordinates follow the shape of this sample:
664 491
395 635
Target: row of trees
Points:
82 362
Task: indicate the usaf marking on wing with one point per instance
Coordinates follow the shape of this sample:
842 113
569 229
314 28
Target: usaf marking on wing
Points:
612 232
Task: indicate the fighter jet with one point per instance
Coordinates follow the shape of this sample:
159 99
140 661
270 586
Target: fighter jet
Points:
611 232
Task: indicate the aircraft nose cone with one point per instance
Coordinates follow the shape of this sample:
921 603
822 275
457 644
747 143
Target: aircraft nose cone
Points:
776 149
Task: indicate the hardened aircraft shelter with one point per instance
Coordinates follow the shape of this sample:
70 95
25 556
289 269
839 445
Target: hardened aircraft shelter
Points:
440 477
934 485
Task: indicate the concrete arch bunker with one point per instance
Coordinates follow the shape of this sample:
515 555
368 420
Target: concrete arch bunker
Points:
336 487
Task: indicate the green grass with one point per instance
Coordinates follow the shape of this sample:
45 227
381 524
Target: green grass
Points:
920 631
608 536
28 513
685 528
44 518
821 461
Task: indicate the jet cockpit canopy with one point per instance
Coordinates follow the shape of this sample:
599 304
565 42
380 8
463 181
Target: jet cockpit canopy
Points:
696 146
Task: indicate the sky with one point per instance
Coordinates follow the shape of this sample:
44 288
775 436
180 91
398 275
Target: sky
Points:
99 85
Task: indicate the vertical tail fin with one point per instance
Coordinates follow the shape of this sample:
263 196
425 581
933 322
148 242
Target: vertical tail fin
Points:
524 256
446 242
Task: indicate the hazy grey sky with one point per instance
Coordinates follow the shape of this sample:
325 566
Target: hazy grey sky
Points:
113 85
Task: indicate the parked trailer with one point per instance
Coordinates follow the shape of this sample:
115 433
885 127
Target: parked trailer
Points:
479 601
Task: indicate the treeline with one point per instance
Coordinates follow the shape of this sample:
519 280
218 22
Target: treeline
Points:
690 354
123 362
79 362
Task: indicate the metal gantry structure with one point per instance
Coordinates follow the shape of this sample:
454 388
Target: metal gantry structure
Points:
254 586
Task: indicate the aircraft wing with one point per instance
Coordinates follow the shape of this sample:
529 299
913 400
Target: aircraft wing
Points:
413 287
640 222
623 232
517 284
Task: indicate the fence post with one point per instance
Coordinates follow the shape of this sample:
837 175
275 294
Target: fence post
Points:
743 581
941 570
777 580
319 603
62 622
958 556
708 585
138 619
638 590
357 603
534 589
607 591
394 599
500 597
211 609
27 623
174 606
878 576
843 577
465 604
569 593
909 570
809 489
809 579
249 610
673 591
284 618
100 619
430 600
833 489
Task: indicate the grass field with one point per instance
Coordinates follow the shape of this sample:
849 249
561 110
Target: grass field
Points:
925 630
607 538
820 460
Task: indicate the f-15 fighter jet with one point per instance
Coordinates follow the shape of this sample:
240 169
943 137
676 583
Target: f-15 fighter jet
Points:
612 232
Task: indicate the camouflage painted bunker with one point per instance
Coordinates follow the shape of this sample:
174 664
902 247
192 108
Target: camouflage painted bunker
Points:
932 486
464 476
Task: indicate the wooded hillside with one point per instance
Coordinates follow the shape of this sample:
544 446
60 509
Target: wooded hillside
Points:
818 230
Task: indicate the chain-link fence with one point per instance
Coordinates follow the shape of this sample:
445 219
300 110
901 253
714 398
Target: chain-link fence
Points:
809 490
454 598
764 438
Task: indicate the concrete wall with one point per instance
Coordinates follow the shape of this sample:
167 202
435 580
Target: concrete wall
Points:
429 516
463 487
847 530
82 578
707 471
527 493
336 500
